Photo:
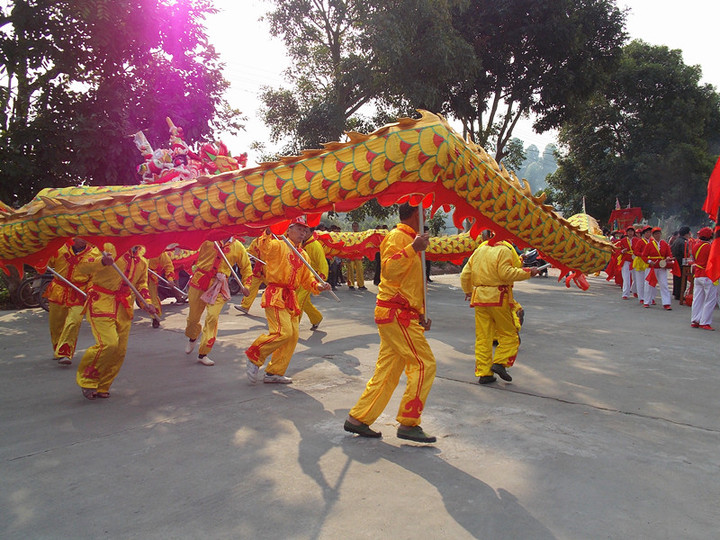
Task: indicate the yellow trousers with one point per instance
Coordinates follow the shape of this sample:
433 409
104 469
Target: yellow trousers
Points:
253 287
101 363
401 349
355 273
305 302
154 298
495 323
209 329
280 341
64 328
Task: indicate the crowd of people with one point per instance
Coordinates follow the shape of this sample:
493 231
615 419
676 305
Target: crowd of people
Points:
643 262
103 285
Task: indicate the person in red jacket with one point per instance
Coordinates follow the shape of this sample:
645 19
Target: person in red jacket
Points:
625 248
658 257
640 267
704 290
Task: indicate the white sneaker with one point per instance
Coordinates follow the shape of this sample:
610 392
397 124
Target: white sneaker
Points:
252 372
205 361
242 309
190 347
276 379
64 361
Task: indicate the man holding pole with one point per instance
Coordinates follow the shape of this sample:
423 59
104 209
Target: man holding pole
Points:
160 266
209 290
110 312
487 280
400 317
286 269
316 258
66 298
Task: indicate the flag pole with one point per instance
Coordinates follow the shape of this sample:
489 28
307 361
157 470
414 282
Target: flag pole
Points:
421 227
232 270
312 270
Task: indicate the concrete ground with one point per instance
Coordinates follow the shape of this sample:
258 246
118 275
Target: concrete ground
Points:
610 429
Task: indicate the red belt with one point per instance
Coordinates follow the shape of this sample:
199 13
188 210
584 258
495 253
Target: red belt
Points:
403 312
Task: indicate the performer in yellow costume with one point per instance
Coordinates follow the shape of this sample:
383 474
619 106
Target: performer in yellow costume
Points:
65 303
210 281
163 266
284 273
354 269
316 258
253 281
487 280
110 313
400 317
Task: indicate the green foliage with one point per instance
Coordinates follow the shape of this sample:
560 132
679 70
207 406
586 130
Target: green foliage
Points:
81 76
650 138
487 64
532 57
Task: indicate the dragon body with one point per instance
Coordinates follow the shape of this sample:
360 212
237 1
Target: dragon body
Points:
355 245
422 160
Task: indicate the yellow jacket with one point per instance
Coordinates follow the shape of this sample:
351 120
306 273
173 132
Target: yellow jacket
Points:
66 263
209 262
284 273
108 292
490 273
162 265
316 256
400 293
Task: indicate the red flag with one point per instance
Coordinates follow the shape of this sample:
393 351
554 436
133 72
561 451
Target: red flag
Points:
713 265
712 202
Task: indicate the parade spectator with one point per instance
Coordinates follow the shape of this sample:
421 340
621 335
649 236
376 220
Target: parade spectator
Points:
678 249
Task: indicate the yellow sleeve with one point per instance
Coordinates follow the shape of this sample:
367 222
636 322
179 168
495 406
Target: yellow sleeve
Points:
466 275
167 266
242 260
507 271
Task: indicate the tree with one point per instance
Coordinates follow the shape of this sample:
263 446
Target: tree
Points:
79 76
650 137
540 58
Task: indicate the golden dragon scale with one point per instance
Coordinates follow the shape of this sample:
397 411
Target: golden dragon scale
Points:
354 245
423 159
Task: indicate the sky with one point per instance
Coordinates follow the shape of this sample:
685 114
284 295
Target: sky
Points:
254 58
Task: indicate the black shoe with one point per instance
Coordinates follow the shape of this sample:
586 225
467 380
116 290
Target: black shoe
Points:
362 288
415 433
351 287
363 430
156 323
501 372
487 379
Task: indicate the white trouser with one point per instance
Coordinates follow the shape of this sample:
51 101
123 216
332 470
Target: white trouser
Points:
650 291
628 282
705 295
639 283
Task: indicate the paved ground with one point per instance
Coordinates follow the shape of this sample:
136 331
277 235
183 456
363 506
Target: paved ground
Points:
609 430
